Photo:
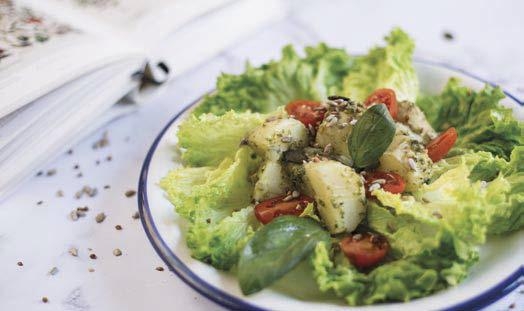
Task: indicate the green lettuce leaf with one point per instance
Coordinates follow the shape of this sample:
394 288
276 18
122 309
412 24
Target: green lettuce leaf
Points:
400 280
481 122
385 67
211 194
262 89
474 195
208 139
214 202
505 191
220 244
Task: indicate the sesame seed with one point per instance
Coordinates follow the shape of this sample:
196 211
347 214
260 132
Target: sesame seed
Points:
100 217
286 139
412 164
374 186
53 271
73 215
483 184
353 122
51 172
295 194
357 237
287 198
73 251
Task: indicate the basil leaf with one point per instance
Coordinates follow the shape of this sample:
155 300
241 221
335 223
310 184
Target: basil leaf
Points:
371 136
276 249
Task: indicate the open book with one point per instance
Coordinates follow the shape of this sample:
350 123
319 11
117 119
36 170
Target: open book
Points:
68 66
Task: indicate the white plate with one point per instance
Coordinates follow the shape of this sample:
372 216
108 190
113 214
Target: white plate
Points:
497 273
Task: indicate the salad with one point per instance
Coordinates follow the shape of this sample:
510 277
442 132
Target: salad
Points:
335 169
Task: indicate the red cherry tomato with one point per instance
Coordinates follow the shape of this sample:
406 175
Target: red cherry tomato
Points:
306 111
267 210
364 250
440 146
386 97
390 182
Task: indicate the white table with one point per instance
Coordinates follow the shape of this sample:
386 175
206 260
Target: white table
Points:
487 41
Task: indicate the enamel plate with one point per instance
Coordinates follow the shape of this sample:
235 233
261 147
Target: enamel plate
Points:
496 274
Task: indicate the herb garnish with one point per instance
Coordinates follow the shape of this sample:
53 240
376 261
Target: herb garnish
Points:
276 249
371 136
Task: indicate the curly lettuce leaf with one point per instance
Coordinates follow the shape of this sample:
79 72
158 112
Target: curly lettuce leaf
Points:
400 280
220 243
211 194
208 139
476 195
214 202
481 122
262 89
385 67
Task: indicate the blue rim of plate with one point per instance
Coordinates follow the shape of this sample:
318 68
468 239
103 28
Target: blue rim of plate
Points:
224 299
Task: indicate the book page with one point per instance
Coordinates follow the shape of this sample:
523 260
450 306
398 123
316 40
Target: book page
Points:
140 22
39 53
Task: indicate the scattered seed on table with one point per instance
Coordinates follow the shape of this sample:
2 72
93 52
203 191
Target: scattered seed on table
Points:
51 172
40 173
91 270
117 252
107 186
53 271
102 142
73 251
97 162
93 256
39 202
70 151
73 215
136 215
100 217
159 269
109 158
20 263
448 35
118 227
130 193
60 193
76 166
45 299
79 175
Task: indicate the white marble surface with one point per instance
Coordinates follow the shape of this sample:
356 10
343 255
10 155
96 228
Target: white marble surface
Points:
487 41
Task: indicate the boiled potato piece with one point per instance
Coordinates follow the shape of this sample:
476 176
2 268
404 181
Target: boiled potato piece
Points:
407 156
411 115
271 182
336 129
339 194
274 137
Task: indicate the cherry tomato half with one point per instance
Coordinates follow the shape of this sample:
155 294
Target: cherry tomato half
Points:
390 182
267 210
440 146
306 111
364 250
386 97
